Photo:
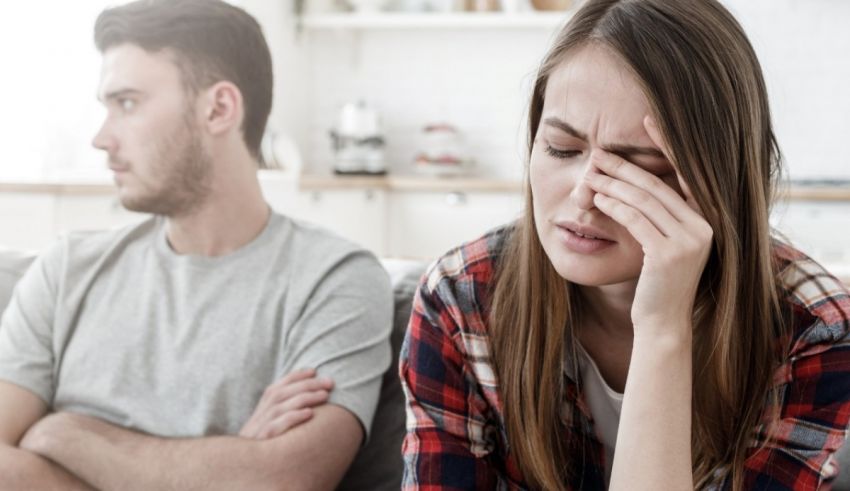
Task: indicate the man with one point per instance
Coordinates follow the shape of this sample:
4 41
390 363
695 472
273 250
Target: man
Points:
217 344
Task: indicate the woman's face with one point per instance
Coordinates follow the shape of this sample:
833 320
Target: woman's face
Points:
593 104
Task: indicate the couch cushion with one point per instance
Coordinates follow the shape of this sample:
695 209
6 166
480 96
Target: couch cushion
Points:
388 427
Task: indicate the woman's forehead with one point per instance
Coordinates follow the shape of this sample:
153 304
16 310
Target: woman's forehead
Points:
595 91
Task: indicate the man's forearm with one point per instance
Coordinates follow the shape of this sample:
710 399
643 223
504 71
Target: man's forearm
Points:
20 469
110 457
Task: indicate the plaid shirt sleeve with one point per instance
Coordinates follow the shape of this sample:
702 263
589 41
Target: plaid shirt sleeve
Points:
446 445
813 386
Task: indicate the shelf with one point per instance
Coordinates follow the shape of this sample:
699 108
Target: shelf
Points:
320 182
460 20
314 182
811 193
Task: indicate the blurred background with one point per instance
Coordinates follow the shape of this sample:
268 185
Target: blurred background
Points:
400 123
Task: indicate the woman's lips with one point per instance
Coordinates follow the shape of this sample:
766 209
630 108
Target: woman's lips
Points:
581 243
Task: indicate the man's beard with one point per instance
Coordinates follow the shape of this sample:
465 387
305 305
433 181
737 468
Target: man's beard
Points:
181 172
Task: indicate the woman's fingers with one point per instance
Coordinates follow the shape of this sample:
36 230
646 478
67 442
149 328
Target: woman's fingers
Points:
623 170
637 198
655 135
633 220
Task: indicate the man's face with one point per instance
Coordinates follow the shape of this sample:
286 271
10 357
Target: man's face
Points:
151 133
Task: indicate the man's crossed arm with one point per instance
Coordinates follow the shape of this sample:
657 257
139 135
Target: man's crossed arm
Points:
287 444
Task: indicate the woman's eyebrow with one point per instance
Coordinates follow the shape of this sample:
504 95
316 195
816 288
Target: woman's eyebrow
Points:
565 127
619 149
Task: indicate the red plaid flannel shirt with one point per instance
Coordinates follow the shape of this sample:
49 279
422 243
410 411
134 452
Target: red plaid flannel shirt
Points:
456 438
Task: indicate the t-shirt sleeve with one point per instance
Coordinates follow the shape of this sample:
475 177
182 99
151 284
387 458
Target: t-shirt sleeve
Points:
798 452
344 332
26 329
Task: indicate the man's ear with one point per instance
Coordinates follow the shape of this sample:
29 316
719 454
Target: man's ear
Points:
223 108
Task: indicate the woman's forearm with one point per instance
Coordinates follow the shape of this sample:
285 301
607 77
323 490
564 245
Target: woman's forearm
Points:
654 438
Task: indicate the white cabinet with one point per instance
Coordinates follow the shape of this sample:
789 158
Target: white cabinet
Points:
26 220
33 220
83 212
424 225
818 228
357 214
404 223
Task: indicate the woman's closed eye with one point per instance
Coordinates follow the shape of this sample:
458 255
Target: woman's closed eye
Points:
561 153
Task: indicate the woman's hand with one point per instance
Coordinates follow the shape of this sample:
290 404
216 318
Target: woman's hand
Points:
675 237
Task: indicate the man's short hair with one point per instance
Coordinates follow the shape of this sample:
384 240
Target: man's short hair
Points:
211 40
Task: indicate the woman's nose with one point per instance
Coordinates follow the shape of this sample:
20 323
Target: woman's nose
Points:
582 194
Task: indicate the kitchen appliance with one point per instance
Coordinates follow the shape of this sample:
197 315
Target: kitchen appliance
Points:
367 6
442 151
482 5
278 151
358 142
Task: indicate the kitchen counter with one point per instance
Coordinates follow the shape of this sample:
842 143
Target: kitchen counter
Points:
316 182
320 182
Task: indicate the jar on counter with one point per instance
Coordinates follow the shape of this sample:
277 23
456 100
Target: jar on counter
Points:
551 4
482 5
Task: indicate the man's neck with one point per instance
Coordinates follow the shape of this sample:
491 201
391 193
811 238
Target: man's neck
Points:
232 216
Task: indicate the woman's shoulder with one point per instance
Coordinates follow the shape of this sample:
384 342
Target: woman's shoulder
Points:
820 302
473 262
460 282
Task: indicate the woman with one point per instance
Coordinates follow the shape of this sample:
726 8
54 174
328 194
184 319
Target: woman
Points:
640 304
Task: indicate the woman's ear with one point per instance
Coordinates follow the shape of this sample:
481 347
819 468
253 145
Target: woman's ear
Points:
223 109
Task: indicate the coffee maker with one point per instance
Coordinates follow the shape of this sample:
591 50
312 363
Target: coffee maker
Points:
358 142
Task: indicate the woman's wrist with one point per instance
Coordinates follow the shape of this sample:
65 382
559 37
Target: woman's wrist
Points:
662 334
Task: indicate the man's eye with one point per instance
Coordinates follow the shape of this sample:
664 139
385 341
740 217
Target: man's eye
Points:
127 104
561 154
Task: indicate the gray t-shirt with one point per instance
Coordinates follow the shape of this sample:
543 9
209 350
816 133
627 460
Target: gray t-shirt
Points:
118 326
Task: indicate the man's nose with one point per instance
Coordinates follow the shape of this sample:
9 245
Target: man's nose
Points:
104 139
582 194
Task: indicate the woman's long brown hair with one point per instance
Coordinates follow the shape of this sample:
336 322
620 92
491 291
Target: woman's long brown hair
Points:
704 84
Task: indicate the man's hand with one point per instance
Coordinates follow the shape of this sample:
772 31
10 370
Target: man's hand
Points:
286 404
46 432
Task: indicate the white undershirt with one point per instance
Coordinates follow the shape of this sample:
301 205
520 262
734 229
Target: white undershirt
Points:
605 405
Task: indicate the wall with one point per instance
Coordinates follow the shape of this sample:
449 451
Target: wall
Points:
479 80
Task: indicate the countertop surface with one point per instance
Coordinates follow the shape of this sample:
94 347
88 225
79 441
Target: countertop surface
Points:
809 191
